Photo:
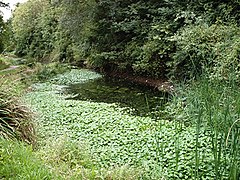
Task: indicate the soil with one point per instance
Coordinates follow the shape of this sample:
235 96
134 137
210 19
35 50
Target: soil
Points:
158 84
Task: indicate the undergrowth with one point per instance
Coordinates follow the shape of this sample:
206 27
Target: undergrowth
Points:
63 159
15 118
196 138
72 160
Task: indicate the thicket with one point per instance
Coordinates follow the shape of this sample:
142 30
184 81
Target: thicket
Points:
149 38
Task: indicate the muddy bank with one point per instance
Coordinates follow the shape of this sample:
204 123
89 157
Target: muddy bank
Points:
158 84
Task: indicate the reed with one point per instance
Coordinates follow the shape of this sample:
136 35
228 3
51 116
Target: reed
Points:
214 107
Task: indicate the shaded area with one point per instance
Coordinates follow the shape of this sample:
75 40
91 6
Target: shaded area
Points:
160 84
141 99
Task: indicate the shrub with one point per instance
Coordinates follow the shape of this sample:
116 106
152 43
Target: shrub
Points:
43 72
210 49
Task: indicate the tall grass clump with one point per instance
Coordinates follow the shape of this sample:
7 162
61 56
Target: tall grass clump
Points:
15 118
213 108
44 72
3 64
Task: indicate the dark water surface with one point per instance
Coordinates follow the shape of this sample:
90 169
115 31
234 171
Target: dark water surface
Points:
142 100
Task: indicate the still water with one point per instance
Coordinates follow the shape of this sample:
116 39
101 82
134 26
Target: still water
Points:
142 100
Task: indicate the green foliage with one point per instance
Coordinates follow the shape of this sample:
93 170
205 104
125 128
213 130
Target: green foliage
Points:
3 64
72 160
18 161
143 37
2 26
63 159
40 35
207 49
7 37
75 76
160 149
212 107
125 36
43 72
25 24
68 159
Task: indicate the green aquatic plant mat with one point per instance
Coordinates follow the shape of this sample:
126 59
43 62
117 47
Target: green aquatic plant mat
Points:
161 148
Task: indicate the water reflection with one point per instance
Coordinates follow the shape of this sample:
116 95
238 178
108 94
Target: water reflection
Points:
143 100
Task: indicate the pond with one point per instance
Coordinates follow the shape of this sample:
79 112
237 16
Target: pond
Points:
142 101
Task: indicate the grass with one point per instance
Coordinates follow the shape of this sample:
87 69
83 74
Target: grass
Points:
3 63
18 161
15 118
214 107
72 160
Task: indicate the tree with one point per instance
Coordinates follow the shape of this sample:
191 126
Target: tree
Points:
29 28
134 35
2 26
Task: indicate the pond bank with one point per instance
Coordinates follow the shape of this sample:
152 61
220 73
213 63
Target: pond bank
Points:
162 84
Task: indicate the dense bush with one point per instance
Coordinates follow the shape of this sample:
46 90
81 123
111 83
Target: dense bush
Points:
32 38
210 49
39 34
144 37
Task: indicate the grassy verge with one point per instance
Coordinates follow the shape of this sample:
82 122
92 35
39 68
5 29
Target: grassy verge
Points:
18 161
15 118
17 133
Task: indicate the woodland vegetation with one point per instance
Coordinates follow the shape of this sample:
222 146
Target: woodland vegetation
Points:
151 38
194 44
